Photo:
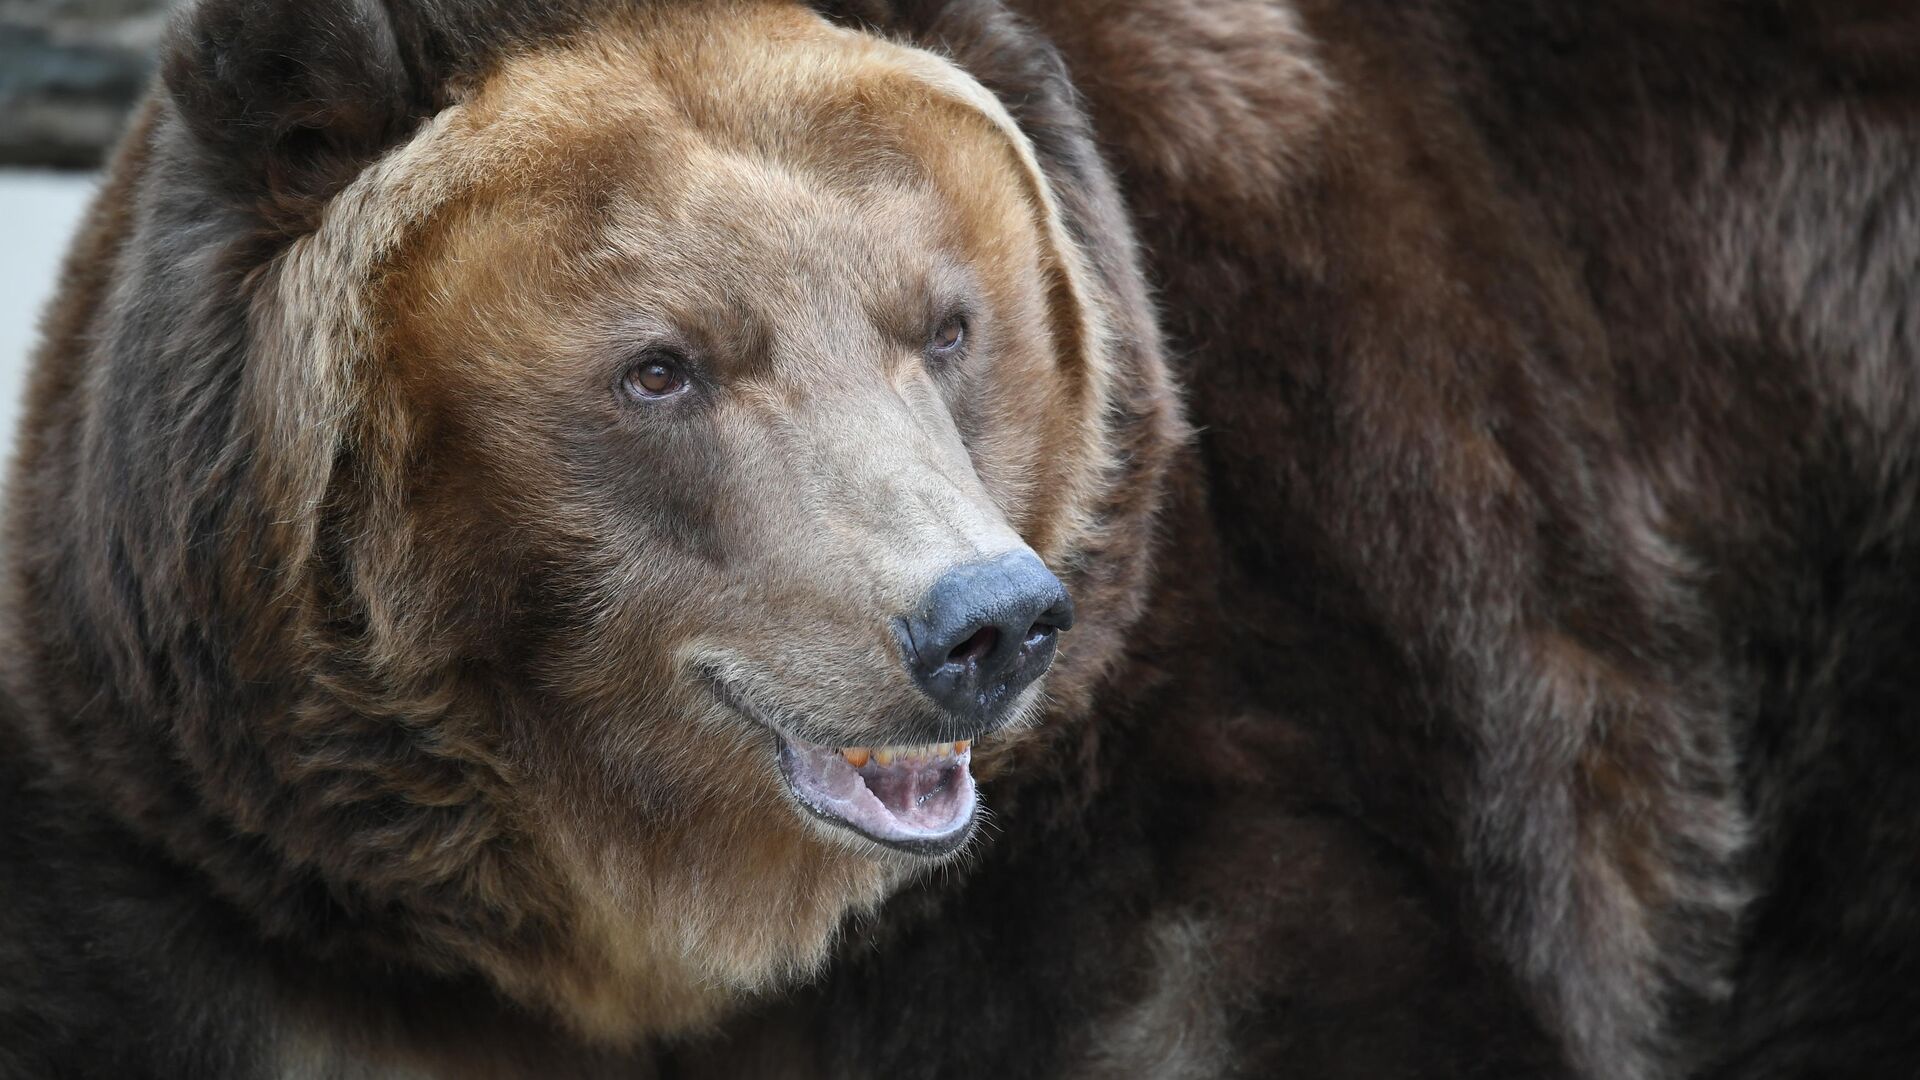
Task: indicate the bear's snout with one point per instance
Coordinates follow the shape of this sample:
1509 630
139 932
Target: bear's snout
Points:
983 633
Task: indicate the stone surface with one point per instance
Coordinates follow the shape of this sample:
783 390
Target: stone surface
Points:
69 70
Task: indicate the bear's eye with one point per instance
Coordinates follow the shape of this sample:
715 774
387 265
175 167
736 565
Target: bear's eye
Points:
947 338
655 377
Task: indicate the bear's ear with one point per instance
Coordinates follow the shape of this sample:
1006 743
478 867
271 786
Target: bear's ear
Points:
291 97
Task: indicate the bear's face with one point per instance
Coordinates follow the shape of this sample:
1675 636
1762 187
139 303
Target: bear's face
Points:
573 492
747 395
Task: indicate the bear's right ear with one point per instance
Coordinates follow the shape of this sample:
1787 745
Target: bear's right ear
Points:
292 98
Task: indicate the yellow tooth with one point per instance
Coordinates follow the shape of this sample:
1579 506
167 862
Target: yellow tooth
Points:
884 755
857 755
960 747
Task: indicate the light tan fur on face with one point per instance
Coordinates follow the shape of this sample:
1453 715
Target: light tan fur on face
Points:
735 158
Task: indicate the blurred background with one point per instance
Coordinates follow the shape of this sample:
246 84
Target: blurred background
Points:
69 71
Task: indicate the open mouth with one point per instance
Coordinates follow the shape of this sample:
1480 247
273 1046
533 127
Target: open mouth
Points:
919 799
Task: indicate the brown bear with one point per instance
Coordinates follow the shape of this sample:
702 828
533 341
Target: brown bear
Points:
662 539
523 520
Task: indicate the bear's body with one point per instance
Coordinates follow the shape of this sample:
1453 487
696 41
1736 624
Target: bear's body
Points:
1518 685
1554 373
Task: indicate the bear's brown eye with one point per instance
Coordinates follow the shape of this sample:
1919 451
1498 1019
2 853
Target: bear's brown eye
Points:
655 377
948 337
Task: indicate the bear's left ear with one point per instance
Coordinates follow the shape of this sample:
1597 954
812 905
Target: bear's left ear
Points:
290 97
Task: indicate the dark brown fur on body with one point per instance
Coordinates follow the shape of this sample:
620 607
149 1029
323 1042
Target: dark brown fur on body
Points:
1517 690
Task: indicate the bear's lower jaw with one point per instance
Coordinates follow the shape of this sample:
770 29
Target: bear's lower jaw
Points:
916 799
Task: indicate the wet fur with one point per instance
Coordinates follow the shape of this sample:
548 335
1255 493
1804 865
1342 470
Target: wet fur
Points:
1519 690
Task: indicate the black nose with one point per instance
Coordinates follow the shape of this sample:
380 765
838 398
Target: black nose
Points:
984 632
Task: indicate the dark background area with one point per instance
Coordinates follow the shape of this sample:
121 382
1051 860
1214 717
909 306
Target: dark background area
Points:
69 69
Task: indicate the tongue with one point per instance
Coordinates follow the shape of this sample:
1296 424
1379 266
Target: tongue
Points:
921 804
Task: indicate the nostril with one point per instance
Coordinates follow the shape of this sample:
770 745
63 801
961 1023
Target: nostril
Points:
983 633
975 648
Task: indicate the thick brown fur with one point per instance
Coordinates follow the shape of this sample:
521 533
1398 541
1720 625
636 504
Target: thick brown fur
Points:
433 659
1555 411
1508 678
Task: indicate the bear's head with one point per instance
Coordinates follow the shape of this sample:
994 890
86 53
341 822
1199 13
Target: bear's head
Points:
578 493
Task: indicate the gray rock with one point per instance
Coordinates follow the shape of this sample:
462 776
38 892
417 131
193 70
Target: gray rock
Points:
69 71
